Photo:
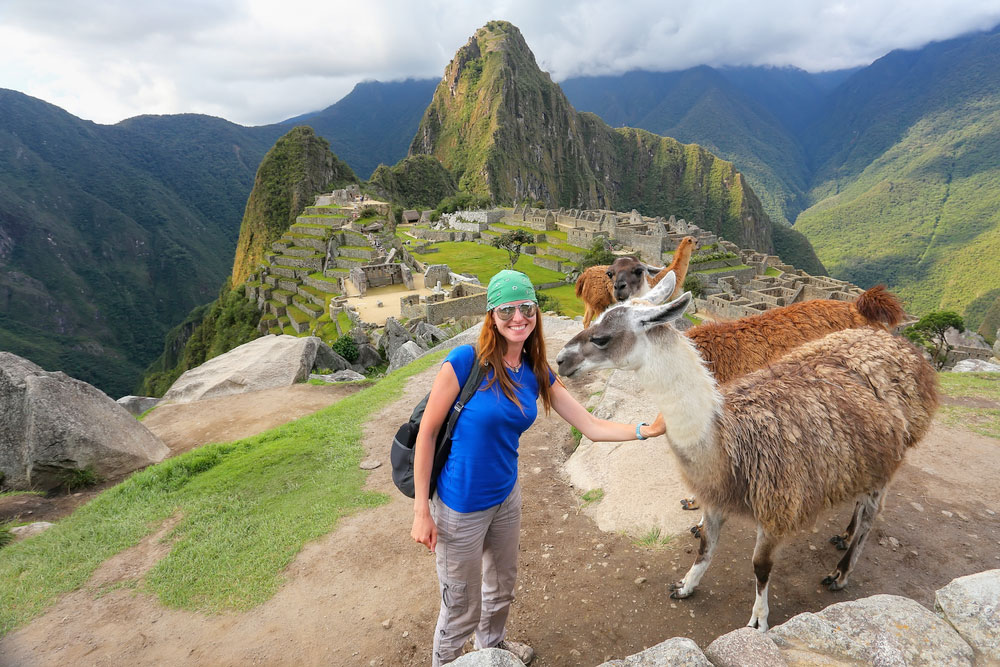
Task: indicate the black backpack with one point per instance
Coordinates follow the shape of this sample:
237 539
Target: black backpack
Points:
401 453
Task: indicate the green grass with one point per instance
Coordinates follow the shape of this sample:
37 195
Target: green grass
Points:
345 322
592 496
6 537
7 494
569 304
771 271
653 539
484 261
724 268
971 385
245 510
984 421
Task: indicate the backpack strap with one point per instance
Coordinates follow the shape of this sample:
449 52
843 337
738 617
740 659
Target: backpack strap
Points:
468 389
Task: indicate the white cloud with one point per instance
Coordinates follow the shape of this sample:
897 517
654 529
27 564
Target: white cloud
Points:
257 61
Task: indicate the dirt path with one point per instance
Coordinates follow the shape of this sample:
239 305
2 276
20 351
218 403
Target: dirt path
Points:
584 595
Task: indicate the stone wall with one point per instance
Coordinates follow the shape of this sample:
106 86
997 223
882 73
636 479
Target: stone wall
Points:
962 630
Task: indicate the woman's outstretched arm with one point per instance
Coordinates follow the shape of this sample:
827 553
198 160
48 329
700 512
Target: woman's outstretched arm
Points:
598 430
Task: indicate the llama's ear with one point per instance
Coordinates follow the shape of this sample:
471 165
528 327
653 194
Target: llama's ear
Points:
652 317
653 270
663 289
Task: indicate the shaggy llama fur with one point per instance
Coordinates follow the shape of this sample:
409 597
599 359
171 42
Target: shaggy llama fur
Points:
828 423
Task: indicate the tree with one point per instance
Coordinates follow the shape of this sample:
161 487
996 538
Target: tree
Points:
599 253
929 332
511 242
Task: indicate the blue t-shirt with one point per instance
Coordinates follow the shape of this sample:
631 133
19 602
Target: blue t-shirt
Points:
482 468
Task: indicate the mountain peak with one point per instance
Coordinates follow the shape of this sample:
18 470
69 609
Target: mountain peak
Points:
507 131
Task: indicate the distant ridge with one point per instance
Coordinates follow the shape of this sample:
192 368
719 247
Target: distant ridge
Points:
373 124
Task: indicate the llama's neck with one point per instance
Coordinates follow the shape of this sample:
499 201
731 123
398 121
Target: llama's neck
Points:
684 391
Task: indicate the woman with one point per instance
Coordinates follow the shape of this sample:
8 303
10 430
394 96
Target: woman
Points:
473 521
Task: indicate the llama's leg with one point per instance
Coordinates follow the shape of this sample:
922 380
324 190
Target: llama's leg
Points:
696 529
841 540
763 559
588 315
713 521
871 505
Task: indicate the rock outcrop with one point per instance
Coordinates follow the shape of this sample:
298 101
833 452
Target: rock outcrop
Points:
267 362
136 405
878 630
52 425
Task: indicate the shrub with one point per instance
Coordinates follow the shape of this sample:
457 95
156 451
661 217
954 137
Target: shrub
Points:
546 302
346 347
693 284
80 478
599 253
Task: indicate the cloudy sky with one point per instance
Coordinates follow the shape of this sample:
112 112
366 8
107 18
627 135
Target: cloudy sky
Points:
260 61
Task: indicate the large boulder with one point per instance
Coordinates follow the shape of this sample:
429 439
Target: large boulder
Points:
404 355
745 647
52 425
678 652
971 604
393 338
879 630
975 366
327 359
429 335
265 363
488 657
368 356
136 405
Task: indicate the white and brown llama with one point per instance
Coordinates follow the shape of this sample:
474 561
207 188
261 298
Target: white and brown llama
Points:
828 423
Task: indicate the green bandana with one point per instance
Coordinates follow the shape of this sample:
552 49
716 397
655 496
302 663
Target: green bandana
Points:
508 286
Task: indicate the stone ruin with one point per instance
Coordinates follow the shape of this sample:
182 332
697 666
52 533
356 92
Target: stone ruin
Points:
740 283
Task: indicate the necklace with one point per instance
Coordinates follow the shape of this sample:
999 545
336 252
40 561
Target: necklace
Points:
513 368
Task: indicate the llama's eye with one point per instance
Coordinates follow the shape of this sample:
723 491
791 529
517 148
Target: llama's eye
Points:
639 271
611 274
600 341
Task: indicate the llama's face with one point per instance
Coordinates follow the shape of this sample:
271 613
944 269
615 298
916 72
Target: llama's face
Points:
619 338
628 276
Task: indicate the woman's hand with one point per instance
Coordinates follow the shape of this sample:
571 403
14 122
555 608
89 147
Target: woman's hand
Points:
424 530
658 427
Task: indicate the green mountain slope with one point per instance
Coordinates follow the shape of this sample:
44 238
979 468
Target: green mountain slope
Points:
506 130
298 167
908 188
110 235
702 106
420 181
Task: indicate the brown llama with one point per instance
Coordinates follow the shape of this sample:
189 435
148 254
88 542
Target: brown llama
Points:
679 265
830 422
601 286
733 349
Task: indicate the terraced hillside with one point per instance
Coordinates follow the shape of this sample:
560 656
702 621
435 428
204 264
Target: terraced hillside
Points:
302 273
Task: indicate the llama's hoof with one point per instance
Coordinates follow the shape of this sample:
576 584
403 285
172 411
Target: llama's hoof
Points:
833 582
689 503
677 595
696 531
839 542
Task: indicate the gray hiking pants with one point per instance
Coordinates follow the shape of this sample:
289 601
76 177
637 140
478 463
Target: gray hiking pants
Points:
477 568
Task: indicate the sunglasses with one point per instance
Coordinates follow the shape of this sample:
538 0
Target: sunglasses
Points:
527 309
